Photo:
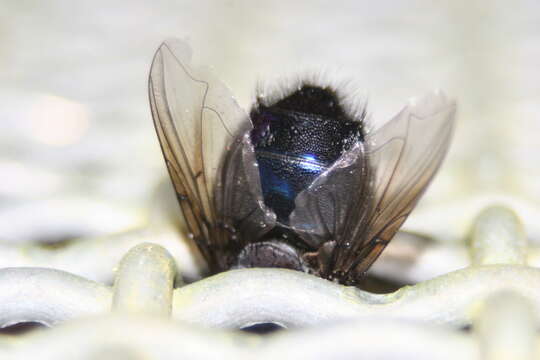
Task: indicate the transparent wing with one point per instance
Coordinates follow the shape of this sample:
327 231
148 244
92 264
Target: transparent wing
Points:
321 210
404 155
239 200
195 116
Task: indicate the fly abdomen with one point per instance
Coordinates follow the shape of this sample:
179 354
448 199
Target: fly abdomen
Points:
296 140
283 176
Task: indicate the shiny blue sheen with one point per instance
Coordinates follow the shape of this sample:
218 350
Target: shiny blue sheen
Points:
283 177
312 164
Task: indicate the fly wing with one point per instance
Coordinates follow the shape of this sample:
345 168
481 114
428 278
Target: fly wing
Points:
243 216
404 155
321 210
195 117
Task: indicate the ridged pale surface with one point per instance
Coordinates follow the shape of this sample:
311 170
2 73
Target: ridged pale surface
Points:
501 301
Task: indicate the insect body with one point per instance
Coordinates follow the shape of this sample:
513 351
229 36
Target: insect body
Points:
299 183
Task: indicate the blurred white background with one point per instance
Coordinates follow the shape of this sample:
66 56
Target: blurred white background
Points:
79 155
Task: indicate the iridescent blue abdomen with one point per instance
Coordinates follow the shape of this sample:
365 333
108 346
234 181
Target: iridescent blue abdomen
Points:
295 141
283 176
